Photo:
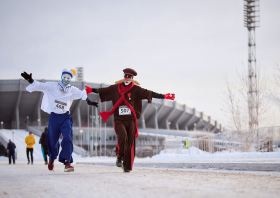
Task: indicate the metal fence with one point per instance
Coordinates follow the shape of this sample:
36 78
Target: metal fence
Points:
266 139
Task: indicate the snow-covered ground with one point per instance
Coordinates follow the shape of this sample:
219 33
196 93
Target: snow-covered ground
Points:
95 181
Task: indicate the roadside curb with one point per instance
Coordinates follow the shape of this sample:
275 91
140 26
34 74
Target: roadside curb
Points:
214 166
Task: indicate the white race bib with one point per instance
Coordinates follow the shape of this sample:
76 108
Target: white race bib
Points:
124 110
59 105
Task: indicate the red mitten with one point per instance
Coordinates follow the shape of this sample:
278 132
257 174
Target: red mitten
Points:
88 89
169 96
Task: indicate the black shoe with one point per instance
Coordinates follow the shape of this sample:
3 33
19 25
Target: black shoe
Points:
28 162
46 162
31 163
124 169
119 162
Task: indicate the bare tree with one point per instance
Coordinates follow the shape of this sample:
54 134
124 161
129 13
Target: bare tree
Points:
275 91
239 102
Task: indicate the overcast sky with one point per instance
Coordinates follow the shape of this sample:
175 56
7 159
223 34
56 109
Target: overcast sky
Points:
186 47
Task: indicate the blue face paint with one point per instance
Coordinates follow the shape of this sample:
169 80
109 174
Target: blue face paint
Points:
65 79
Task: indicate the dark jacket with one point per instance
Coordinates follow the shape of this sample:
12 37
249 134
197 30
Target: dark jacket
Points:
44 139
11 146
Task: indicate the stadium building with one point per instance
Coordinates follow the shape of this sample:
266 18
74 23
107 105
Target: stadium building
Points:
19 109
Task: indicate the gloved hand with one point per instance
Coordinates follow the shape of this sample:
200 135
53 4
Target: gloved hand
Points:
27 77
92 103
169 96
88 89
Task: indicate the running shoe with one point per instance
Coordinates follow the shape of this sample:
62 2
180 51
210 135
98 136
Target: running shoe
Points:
124 169
68 167
51 165
119 162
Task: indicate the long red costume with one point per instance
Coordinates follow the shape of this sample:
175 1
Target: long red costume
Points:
126 127
106 114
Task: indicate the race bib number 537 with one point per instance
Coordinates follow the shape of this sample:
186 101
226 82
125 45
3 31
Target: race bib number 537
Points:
59 105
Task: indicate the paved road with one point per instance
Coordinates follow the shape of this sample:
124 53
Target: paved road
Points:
23 180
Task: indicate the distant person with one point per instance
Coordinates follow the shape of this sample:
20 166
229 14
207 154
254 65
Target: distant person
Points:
44 144
11 148
30 141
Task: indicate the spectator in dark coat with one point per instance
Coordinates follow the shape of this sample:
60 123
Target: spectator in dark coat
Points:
11 148
44 144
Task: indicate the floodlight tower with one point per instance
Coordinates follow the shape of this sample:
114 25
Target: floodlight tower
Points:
251 21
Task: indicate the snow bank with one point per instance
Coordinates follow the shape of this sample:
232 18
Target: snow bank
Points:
194 153
3 158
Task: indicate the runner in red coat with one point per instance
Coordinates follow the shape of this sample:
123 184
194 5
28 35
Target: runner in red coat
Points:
126 97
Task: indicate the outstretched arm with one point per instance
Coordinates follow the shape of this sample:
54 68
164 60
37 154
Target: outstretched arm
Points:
91 90
165 96
91 103
34 84
156 95
105 93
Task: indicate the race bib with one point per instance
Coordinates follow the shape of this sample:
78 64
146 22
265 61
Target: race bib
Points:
59 105
124 110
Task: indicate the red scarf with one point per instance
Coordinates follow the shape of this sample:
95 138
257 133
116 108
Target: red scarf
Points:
122 90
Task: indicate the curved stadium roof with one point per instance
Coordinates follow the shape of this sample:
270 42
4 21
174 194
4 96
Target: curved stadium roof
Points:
16 104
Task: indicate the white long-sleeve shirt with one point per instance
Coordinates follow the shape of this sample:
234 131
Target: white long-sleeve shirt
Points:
55 99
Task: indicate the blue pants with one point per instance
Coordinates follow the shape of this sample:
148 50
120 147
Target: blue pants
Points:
60 124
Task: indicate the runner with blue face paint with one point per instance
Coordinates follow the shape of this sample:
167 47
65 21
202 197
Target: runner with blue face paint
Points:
57 100
66 79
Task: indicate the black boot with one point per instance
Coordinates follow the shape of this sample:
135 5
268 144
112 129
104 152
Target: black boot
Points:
124 169
119 162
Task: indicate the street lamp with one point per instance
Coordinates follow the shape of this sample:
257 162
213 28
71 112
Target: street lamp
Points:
39 124
2 124
13 134
81 132
27 120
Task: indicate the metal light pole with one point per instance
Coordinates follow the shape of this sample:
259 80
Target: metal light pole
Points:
13 134
27 120
105 133
156 106
81 132
96 124
100 125
92 140
251 21
88 126
39 124
2 124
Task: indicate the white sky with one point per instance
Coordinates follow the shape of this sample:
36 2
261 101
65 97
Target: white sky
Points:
185 47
